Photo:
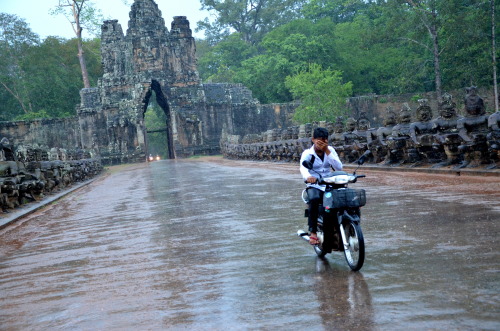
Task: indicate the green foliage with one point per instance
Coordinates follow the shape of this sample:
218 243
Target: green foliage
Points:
284 51
33 116
16 38
264 75
218 63
382 47
415 98
250 18
339 10
321 92
40 78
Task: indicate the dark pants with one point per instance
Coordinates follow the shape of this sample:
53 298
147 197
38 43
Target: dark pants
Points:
314 196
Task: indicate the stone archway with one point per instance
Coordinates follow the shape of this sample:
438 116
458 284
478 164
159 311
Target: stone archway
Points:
162 101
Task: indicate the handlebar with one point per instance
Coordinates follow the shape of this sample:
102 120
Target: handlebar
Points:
337 179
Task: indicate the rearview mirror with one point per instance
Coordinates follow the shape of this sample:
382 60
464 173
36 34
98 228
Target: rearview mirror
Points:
363 157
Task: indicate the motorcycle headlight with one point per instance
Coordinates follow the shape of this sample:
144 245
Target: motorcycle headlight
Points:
339 179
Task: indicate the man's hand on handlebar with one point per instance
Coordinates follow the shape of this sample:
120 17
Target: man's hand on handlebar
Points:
311 179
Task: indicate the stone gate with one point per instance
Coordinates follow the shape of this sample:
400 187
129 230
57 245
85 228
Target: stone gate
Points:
150 58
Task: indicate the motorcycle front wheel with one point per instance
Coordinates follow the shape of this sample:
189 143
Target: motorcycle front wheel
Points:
355 251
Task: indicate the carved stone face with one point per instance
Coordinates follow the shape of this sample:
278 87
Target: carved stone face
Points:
5 142
423 102
53 154
447 107
474 105
471 91
390 119
448 111
424 114
351 124
363 124
339 126
405 114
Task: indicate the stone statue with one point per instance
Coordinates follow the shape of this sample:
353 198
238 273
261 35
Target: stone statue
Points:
399 138
336 139
446 138
361 132
493 139
53 154
378 146
349 138
6 152
473 129
422 136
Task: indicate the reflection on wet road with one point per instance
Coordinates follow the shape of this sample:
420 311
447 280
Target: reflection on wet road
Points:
204 246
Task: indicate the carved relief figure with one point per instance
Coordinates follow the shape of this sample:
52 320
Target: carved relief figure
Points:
362 132
398 141
378 146
349 138
337 137
422 136
493 138
446 137
473 129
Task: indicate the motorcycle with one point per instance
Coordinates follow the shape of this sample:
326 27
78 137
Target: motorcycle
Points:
339 217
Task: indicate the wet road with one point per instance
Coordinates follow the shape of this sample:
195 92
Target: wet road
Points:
206 246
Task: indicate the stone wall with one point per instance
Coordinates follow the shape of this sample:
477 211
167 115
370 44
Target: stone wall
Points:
29 172
62 132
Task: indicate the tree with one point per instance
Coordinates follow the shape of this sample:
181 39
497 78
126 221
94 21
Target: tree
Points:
15 39
53 72
286 50
219 62
252 19
427 12
81 14
321 92
494 53
339 11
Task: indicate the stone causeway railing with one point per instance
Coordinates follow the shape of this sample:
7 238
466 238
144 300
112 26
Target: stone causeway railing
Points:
432 144
29 173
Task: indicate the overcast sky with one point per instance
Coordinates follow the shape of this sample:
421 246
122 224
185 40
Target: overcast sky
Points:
36 14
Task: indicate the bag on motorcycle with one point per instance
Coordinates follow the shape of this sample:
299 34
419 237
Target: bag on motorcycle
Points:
345 198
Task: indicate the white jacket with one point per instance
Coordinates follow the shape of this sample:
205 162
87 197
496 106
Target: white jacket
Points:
322 167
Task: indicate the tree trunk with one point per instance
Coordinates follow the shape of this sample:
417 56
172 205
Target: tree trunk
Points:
494 54
17 97
437 69
81 53
83 64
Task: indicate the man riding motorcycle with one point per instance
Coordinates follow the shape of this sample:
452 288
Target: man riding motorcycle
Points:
323 158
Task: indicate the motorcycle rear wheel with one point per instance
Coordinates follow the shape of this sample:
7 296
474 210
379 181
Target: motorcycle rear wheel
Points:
355 251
